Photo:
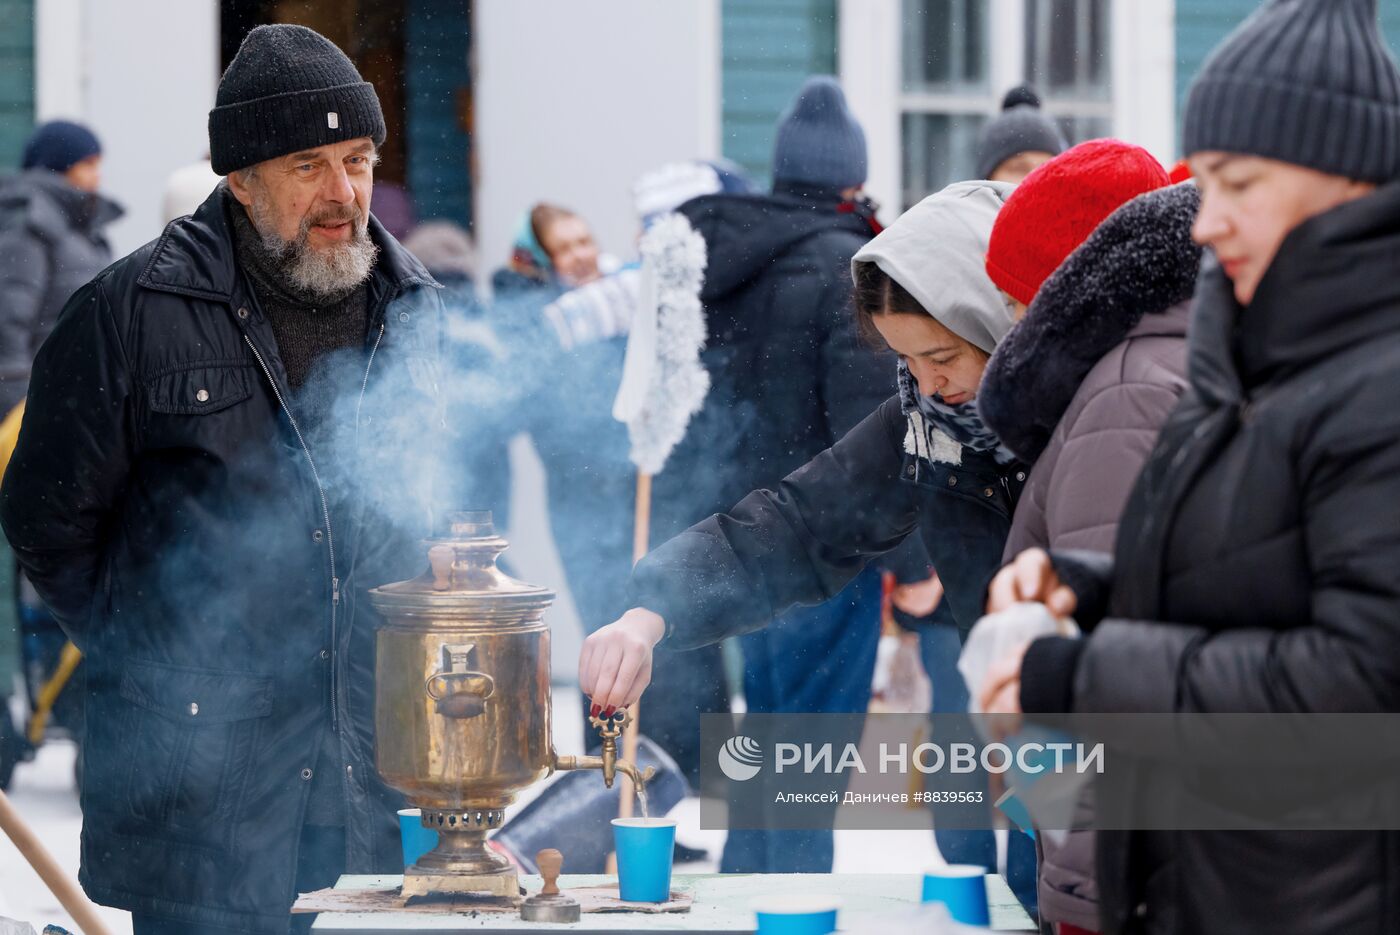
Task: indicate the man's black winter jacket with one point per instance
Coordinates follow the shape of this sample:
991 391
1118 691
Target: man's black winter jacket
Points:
207 541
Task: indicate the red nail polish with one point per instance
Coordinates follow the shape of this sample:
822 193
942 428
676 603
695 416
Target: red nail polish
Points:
609 712
593 712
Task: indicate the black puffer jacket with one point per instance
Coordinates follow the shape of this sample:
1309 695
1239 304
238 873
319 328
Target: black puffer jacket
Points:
163 503
51 243
1256 571
788 374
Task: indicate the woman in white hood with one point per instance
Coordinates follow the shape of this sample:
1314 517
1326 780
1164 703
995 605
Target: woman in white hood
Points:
923 462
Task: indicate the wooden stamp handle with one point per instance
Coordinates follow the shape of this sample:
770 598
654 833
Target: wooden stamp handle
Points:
550 862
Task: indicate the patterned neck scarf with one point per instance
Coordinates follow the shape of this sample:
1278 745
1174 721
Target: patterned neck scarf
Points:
961 423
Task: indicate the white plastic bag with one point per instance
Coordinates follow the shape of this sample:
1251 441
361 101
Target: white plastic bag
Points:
996 635
900 685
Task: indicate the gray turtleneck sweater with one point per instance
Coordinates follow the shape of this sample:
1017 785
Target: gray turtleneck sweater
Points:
306 325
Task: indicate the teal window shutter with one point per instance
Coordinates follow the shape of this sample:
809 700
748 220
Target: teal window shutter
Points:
16 78
769 47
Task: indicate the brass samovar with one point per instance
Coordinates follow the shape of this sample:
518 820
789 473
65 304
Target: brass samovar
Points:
462 707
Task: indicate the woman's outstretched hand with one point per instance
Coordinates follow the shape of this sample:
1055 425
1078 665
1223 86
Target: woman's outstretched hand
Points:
919 598
615 666
1031 577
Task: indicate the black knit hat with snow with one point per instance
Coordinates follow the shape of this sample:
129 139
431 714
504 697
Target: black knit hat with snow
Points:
289 88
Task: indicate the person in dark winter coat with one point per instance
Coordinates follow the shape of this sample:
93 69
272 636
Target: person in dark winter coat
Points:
1255 566
1080 388
1018 140
922 462
51 242
788 377
228 439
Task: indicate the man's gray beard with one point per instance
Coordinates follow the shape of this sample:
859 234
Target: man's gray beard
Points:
327 273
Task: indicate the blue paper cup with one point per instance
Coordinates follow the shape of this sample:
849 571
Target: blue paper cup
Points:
797 914
962 888
416 839
644 850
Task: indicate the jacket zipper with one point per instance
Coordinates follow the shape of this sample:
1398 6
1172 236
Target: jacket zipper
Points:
359 404
325 515
365 385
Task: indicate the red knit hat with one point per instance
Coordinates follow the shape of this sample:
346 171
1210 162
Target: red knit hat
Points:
1058 206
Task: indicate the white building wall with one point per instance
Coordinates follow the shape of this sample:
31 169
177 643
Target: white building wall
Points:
142 75
1144 75
868 37
576 100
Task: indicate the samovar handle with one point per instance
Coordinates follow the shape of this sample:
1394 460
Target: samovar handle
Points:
468 698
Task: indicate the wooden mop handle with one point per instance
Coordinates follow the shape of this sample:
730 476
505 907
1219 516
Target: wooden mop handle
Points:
641 524
641 541
641 536
64 889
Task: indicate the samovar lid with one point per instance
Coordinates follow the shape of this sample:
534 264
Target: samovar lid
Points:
462 579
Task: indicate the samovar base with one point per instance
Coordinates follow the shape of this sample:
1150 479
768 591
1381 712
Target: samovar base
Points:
503 884
462 864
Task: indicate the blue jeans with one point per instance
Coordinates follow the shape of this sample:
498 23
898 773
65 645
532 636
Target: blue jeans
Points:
812 660
940 645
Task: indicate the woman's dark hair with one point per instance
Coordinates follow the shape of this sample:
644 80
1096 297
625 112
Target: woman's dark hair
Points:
878 294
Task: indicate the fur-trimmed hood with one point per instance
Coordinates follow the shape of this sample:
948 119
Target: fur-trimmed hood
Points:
1141 261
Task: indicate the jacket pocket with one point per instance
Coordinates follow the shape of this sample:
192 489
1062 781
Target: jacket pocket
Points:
191 736
199 388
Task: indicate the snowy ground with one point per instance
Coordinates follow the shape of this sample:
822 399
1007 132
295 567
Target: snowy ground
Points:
44 794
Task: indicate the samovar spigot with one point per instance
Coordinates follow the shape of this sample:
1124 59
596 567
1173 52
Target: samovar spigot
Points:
609 729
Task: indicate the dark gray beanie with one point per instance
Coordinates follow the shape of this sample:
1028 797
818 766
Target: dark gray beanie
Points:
1020 128
1309 82
819 141
289 88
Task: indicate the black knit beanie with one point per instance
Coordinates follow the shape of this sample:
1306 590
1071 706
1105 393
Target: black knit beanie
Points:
289 88
59 145
1020 128
819 141
1309 82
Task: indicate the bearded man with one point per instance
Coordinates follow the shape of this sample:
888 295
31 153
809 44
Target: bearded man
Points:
224 447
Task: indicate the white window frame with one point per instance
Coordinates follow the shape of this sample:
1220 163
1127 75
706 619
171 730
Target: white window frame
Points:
1141 108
